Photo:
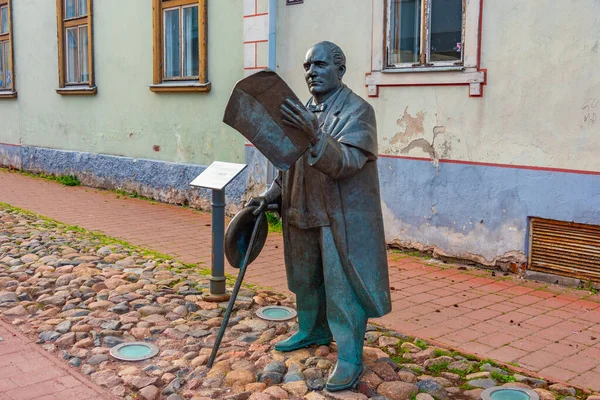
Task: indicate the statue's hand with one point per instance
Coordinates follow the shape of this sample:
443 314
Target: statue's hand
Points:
296 115
260 203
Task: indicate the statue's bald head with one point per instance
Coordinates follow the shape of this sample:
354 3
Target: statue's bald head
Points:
324 67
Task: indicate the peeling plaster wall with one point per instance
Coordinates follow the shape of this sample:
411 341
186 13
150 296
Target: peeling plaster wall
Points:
470 212
542 95
476 212
125 118
540 108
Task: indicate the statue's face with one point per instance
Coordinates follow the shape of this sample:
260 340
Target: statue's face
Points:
321 74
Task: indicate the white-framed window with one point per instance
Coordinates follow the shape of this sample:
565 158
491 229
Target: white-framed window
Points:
426 42
424 33
180 45
5 70
77 55
76 42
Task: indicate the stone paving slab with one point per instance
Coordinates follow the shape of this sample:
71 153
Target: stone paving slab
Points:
27 372
552 331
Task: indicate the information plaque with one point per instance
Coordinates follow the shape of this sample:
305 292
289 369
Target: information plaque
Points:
218 175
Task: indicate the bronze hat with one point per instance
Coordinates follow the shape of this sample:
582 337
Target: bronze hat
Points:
238 234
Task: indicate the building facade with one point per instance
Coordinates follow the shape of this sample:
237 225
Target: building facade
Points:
139 120
487 110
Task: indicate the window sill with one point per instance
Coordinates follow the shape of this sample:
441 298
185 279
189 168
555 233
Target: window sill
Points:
77 90
8 94
472 77
409 70
180 87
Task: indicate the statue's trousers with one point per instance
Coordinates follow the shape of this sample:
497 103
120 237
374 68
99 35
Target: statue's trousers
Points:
325 299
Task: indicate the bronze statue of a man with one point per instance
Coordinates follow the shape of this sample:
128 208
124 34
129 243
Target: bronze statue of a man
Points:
334 244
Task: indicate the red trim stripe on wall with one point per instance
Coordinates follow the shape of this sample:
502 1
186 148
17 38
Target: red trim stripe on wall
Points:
256 15
486 164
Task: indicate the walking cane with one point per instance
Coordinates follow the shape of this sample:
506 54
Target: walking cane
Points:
236 288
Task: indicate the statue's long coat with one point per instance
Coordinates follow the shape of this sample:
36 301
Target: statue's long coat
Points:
351 199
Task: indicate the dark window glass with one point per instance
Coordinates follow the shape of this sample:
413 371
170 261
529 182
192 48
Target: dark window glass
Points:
405 31
446 30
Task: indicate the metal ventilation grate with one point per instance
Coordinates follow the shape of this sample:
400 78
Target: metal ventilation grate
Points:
565 248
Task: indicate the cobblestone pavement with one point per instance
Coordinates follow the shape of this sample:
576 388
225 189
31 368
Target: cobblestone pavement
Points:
80 294
549 330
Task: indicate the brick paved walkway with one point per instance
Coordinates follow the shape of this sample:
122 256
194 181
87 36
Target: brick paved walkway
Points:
27 372
552 331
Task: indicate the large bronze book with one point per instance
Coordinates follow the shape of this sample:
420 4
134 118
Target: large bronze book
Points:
253 110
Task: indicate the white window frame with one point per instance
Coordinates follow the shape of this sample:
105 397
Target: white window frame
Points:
181 46
425 41
77 11
437 73
5 5
78 61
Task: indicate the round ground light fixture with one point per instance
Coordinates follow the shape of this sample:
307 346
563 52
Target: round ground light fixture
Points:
276 313
509 393
134 351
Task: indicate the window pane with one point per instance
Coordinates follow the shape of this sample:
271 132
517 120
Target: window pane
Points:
446 30
69 8
172 44
83 54
191 57
405 31
8 72
4 19
2 77
81 7
72 73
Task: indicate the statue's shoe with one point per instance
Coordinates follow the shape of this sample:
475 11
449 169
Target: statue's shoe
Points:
300 340
345 376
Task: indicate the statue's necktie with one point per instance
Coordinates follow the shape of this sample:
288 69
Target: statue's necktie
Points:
317 107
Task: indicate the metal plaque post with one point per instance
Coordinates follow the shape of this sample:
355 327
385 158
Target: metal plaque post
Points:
217 278
216 177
